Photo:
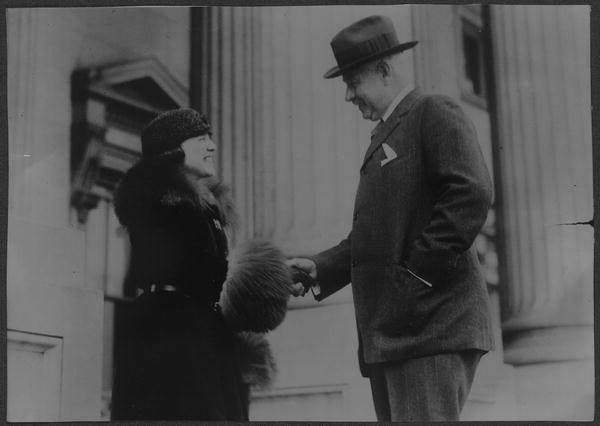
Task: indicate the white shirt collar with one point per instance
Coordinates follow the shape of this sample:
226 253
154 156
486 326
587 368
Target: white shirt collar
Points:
396 101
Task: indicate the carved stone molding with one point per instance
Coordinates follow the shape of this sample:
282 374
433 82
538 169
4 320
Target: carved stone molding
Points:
111 105
34 376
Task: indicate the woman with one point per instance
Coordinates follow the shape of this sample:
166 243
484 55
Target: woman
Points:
176 357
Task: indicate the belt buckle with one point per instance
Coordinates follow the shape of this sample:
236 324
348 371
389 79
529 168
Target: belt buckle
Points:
156 287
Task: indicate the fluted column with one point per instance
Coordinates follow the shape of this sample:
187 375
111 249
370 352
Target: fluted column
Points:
541 57
436 61
22 56
289 144
303 147
226 38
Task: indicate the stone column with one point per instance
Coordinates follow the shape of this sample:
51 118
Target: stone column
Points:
54 337
544 162
439 60
291 148
289 144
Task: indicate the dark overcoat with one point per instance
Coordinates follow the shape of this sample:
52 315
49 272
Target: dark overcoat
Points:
175 358
418 212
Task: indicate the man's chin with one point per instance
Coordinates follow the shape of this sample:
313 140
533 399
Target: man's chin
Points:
366 114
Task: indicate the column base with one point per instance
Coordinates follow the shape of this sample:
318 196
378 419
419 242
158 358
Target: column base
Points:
557 391
549 344
554 372
492 396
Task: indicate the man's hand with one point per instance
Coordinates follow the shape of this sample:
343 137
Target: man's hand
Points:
305 265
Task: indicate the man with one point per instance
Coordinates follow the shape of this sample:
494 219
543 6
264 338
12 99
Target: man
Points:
421 302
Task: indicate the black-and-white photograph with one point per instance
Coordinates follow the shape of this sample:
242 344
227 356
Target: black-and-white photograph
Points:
300 213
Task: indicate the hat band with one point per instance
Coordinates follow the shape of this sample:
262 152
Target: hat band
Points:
377 44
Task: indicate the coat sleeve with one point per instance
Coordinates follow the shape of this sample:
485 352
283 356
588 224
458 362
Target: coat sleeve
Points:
333 268
462 186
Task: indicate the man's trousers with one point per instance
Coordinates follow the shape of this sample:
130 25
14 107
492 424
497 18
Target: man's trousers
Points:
431 388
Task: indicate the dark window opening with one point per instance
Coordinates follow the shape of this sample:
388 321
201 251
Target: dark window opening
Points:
473 72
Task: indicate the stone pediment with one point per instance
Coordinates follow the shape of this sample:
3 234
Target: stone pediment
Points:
145 82
111 105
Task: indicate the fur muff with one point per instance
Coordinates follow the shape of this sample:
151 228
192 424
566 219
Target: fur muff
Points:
257 289
256 360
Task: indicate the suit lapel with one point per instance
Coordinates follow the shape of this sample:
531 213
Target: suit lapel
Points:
382 130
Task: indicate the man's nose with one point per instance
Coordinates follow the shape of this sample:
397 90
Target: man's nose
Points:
349 94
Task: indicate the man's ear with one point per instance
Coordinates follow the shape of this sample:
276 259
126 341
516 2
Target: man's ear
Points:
385 70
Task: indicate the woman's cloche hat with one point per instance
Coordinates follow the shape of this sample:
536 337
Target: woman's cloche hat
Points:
368 39
170 129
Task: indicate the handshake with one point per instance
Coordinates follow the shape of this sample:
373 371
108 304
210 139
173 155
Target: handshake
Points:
259 284
304 275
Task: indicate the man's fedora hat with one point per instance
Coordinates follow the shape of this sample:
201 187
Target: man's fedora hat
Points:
365 40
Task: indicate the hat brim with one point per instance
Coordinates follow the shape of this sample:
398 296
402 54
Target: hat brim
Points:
337 71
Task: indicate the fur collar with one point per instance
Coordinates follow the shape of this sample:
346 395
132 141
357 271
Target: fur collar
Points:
155 184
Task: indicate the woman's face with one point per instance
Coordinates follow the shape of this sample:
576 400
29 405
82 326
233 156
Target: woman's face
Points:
199 154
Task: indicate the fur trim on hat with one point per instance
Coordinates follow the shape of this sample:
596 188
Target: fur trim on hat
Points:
256 360
257 289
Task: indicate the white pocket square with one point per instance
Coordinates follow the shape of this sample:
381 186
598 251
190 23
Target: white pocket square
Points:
390 154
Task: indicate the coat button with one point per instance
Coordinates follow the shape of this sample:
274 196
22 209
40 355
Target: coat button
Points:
363 172
355 216
354 263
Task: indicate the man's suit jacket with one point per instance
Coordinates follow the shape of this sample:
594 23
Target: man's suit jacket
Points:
421 212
